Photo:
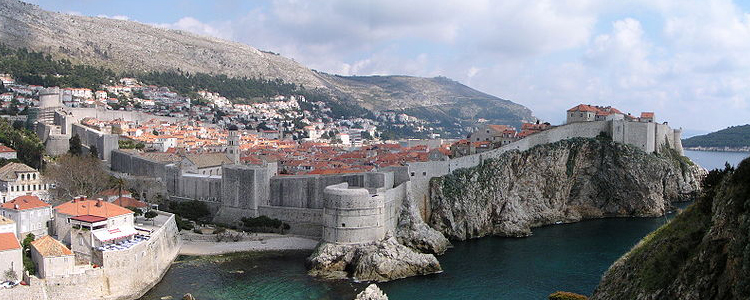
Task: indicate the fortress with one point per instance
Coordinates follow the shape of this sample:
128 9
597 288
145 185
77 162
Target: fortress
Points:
360 207
338 208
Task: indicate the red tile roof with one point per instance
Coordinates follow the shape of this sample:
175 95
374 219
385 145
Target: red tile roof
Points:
8 241
47 246
25 202
6 149
89 219
80 207
647 114
129 202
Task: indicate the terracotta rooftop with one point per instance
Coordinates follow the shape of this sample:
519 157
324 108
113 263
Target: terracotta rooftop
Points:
114 192
8 241
6 149
47 246
25 202
129 202
8 172
208 160
99 208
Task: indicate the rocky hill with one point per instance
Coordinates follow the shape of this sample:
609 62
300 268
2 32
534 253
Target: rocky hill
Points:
132 46
565 181
703 253
735 137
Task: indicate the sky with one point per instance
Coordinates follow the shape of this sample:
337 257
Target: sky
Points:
686 60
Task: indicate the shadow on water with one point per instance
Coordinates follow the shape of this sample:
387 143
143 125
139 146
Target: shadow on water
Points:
569 257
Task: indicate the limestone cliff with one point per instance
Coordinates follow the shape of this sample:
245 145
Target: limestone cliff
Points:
565 181
376 261
414 233
703 253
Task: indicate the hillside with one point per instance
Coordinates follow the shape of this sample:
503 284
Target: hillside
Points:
135 47
702 253
732 137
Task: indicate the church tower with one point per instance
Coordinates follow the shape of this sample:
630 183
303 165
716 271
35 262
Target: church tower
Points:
233 144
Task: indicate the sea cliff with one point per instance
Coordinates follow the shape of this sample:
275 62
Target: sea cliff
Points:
566 181
704 253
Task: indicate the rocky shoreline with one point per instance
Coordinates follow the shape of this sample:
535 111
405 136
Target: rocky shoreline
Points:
567 181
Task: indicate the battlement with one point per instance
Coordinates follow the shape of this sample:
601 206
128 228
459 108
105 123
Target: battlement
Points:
353 215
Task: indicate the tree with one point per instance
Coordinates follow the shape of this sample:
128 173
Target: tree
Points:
75 146
150 215
28 264
117 183
137 212
10 274
2 88
93 151
77 175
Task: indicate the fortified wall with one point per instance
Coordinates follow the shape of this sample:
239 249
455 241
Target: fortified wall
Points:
647 136
124 274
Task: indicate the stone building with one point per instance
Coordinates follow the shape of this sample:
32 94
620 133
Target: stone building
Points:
90 211
52 258
30 213
7 225
495 134
17 179
205 163
10 255
7 152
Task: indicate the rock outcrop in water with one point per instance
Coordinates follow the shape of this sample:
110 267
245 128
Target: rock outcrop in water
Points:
566 181
372 292
377 261
703 253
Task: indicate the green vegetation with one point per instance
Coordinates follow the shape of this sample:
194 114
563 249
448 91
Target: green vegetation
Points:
26 143
183 224
28 264
130 144
75 147
263 223
193 210
137 212
232 88
566 296
39 69
735 136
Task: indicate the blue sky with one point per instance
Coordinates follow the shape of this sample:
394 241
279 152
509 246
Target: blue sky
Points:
686 60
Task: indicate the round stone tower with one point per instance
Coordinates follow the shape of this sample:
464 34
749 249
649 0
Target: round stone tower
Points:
49 101
352 215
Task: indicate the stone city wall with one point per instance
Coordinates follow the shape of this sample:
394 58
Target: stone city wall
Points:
126 274
306 191
133 164
105 143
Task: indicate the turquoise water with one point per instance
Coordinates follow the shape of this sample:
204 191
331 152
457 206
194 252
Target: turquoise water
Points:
570 257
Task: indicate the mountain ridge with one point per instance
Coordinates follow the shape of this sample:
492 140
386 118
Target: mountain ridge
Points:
132 46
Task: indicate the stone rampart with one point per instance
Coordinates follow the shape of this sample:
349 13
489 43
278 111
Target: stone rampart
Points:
352 215
104 143
126 274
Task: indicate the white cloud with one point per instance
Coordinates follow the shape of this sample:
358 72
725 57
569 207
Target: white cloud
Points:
116 17
193 25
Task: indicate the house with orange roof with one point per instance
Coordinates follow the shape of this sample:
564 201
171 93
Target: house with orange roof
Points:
30 213
7 225
52 258
10 254
78 223
7 152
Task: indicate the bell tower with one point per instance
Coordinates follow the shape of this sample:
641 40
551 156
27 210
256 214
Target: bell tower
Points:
233 144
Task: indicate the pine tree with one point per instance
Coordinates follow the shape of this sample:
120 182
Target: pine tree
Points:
75 146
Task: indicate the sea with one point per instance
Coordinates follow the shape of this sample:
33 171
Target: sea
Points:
567 257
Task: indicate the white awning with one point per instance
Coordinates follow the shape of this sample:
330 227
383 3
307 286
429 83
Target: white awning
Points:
108 234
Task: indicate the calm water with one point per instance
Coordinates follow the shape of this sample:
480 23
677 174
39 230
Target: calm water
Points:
569 257
714 159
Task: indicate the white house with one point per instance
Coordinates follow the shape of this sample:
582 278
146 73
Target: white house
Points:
7 152
7 225
10 256
30 213
52 258
17 179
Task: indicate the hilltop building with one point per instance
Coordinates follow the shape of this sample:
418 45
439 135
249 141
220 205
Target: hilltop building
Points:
17 179
30 214
500 134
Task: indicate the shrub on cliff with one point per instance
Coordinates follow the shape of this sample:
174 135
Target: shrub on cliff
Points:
566 296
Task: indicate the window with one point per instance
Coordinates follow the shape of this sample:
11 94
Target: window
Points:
412 174
343 225
424 173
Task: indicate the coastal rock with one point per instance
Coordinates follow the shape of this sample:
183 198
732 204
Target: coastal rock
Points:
414 233
376 261
372 292
703 253
566 181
